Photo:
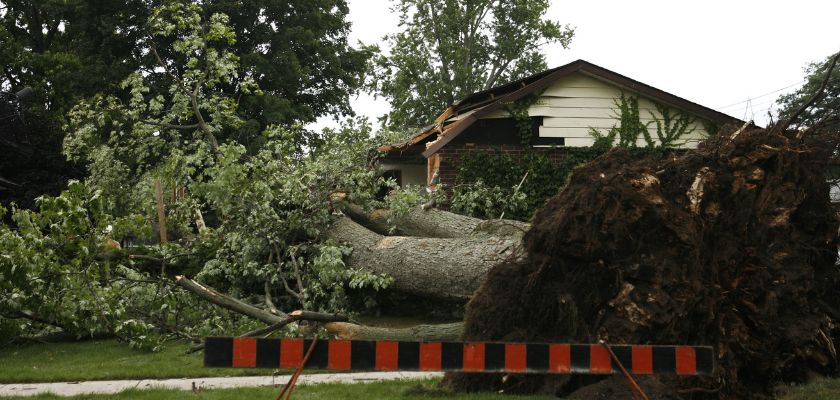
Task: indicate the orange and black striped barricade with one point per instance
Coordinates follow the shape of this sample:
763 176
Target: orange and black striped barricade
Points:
361 355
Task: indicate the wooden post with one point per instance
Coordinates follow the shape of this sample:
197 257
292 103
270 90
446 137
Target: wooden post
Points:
160 213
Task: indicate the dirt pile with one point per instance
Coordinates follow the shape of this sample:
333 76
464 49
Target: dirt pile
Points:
732 245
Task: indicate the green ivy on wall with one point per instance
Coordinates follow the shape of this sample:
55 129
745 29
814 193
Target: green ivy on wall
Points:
518 110
670 128
486 181
630 126
500 170
673 126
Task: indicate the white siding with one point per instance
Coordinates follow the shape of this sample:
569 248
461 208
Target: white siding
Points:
576 103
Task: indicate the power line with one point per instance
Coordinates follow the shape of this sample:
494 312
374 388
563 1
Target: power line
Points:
763 95
769 93
752 102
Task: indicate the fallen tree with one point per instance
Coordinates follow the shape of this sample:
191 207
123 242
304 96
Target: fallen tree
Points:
444 268
431 223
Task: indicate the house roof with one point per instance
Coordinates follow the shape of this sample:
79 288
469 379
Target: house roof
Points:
484 102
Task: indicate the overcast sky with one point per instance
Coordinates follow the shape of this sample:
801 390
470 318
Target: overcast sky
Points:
715 53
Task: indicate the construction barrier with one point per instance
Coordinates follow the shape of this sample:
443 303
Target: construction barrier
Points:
241 352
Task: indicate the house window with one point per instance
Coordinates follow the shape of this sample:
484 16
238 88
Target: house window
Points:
540 141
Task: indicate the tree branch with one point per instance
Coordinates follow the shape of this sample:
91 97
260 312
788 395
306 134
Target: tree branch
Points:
336 324
164 66
170 126
230 303
497 70
34 318
214 144
283 279
782 127
268 301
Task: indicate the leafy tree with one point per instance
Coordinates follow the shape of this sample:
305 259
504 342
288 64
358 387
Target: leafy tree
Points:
826 107
297 51
68 50
65 50
267 209
127 142
451 48
275 223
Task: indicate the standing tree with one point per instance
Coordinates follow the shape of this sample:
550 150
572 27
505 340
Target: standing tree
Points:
65 51
826 108
68 50
451 48
298 53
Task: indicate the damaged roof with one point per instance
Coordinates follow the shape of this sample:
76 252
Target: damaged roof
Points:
480 104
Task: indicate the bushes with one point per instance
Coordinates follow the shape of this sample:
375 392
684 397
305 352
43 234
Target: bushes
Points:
487 181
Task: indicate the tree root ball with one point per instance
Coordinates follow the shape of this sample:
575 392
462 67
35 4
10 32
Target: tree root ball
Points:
732 245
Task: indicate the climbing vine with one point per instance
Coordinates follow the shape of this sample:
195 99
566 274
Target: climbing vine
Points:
669 129
490 183
672 126
486 182
496 175
630 126
518 110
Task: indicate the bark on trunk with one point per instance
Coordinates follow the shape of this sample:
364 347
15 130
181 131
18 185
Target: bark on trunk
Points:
432 223
443 268
442 332
424 223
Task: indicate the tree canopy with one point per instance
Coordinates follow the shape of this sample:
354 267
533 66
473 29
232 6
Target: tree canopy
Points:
296 50
65 51
248 220
448 49
826 106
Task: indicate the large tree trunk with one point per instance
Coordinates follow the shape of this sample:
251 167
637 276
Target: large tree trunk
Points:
443 268
445 332
430 223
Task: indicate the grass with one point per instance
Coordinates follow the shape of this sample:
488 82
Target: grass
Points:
109 359
104 360
398 390
817 389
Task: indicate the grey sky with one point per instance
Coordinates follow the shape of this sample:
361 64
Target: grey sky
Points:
712 52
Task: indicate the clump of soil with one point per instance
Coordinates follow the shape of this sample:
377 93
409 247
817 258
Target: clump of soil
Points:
732 245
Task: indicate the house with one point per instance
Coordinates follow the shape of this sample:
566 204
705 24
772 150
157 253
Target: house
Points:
564 106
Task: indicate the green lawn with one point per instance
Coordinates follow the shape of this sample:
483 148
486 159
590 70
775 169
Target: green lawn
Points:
108 359
407 390
821 389
104 360
818 389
